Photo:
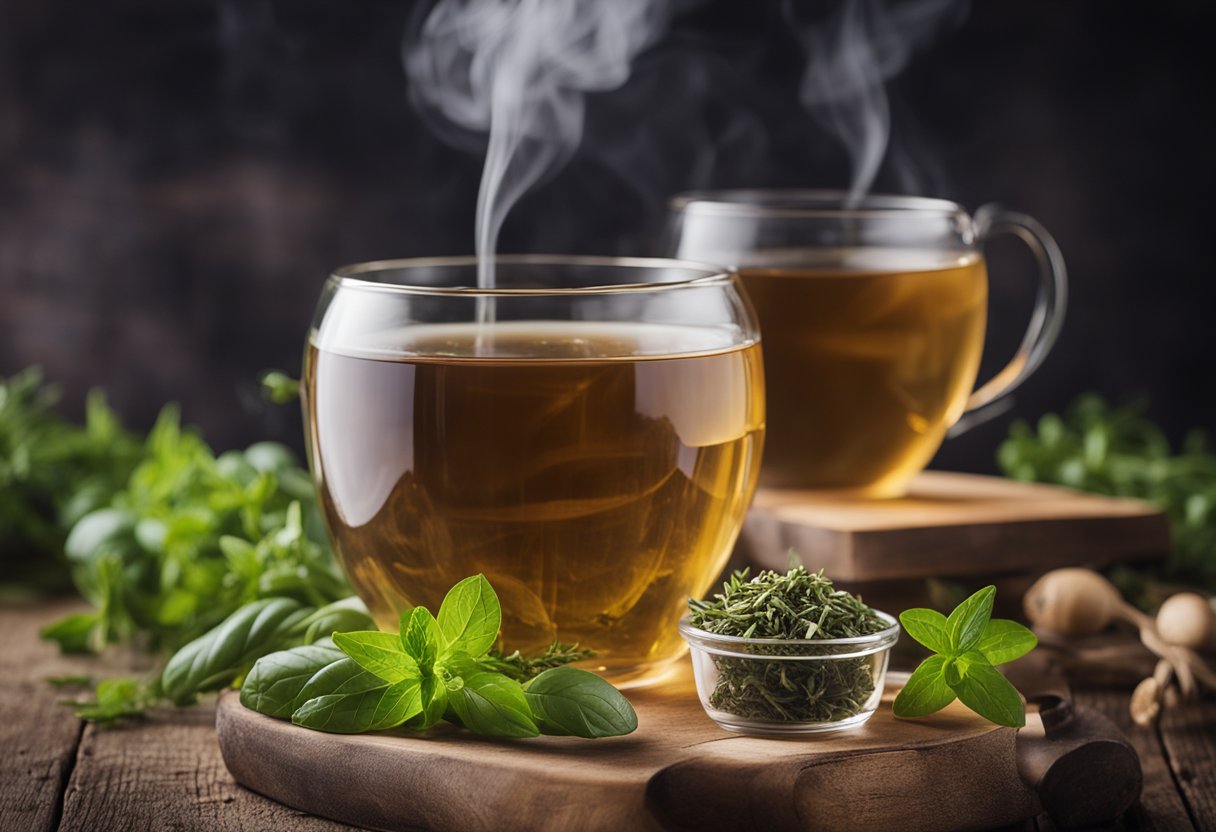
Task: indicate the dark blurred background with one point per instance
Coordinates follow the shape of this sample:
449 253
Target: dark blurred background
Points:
177 179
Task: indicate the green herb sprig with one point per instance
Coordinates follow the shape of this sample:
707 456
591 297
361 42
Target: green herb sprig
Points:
435 668
795 605
967 646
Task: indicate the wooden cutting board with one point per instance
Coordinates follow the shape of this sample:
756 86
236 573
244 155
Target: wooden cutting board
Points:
677 771
951 525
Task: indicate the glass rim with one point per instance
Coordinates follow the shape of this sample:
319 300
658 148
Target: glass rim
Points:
806 203
877 639
354 275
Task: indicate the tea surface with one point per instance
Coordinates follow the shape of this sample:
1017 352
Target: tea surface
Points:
596 488
869 357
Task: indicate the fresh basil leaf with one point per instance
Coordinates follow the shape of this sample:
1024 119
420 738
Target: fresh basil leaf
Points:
343 676
1004 640
470 617
380 653
275 682
420 636
929 627
567 701
215 658
106 529
375 709
493 705
343 616
983 689
969 618
926 690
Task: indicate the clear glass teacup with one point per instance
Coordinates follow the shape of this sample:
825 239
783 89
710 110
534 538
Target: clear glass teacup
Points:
873 317
587 434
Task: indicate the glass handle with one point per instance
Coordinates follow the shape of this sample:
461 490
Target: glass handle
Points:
986 402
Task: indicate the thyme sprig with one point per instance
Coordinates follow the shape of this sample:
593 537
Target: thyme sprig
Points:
797 605
522 668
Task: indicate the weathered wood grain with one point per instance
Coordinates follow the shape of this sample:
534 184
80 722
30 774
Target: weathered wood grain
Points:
160 773
1188 734
38 738
1161 808
678 771
951 525
165 772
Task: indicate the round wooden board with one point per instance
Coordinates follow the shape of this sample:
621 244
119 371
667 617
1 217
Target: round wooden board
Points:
677 771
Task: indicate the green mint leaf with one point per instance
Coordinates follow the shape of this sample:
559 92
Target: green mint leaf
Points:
470 616
380 653
929 627
926 691
420 636
493 705
218 656
983 689
969 618
434 703
566 701
375 709
74 633
275 682
952 670
1004 640
456 667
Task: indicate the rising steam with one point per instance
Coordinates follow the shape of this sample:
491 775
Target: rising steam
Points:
851 56
519 69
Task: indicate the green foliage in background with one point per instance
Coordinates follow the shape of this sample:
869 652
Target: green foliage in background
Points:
190 538
1118 451
52 473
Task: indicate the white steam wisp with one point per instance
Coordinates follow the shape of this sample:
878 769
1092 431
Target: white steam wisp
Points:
851 56
519 69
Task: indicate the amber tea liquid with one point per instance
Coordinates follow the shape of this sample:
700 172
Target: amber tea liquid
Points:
597 474
869 356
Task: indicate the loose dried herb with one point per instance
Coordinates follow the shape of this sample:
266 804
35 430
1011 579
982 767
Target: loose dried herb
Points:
798 605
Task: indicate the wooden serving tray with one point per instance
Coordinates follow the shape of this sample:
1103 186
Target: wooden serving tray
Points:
677 771
951 525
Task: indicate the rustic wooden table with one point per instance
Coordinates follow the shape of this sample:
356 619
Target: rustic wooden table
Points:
165 772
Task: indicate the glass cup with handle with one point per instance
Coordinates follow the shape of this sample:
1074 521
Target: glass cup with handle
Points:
873 318
587 434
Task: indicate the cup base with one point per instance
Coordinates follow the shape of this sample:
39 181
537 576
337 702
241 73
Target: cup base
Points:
847 494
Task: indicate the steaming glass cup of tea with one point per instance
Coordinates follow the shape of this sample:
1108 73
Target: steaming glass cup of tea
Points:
873 320
586 433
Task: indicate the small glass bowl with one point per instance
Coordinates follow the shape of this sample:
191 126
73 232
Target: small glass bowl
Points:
789 686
